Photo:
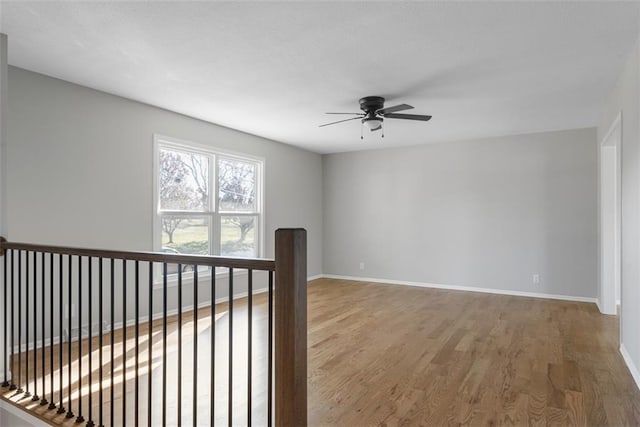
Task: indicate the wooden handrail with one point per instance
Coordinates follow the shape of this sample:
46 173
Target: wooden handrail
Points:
287 328
291 328
205 260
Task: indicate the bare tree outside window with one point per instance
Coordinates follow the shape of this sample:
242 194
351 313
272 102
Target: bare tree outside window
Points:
237 185
198 167
237 193
174 191
184 186
189 218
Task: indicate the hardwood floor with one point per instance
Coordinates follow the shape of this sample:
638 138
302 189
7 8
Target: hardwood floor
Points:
177 378
395 355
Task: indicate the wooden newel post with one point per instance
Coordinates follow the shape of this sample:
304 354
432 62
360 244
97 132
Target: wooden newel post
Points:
291 328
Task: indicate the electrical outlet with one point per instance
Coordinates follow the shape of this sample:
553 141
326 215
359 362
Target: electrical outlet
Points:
361 265
536 279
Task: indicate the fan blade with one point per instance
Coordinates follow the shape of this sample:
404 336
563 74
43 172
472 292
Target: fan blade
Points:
408 117
393 109
358 114
340 121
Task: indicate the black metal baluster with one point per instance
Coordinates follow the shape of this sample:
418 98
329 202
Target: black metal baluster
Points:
12 385
52 404
137 309
230 382
80 418
195 345
5 383
70 335
100 339
213 347
249 343
270 354
90 423
34 277
150 345
124 342
164 344
20 390
26 329
61 409
179 345
44 400
113 315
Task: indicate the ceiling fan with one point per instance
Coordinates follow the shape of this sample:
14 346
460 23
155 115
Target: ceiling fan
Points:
373 114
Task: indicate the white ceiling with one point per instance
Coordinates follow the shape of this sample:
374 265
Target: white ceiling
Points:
272 69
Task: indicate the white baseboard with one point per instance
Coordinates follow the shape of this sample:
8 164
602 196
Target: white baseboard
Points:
130 323
186 309
205 304
635 373
605 312
143 319
465 288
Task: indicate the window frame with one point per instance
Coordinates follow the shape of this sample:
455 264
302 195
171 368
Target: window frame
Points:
213 212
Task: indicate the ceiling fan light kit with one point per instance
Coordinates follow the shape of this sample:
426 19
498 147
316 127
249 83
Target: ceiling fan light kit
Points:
372 123
374 113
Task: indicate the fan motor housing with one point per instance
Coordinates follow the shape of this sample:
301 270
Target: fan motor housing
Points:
371 104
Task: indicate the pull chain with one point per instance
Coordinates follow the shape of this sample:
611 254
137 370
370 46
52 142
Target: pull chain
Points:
361 125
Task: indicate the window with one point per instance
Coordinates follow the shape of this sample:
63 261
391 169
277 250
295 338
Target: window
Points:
206 201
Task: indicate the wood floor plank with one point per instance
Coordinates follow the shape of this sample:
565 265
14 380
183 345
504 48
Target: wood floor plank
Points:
397 356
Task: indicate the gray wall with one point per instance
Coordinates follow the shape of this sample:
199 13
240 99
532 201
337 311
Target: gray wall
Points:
487 213
11 416
625 98
80 174
80 168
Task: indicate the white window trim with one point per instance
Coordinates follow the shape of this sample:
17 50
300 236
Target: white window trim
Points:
162 141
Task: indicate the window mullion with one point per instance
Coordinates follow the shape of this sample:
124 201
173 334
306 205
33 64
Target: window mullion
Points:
216 232
183 213
214 235
236 213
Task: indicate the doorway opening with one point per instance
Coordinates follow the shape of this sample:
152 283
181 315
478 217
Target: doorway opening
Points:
610 230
